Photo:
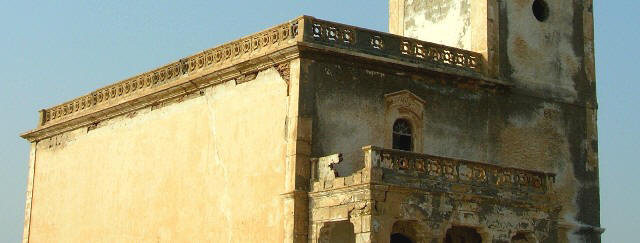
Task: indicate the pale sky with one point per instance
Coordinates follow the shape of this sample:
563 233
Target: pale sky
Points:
53 51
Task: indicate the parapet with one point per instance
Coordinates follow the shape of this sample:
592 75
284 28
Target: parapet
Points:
247 55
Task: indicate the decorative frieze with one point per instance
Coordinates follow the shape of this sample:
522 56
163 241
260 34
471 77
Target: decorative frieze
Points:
440 54
284 69
381 164
392 46
459 171
332 32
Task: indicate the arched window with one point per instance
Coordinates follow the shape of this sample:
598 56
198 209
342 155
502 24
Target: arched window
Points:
403 121
402 135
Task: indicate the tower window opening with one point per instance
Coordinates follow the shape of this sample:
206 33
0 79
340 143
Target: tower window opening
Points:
402 135
540 10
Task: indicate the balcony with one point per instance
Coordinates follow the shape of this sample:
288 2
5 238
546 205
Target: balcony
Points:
434 174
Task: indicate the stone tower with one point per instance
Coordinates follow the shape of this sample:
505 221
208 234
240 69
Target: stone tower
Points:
542 46
473 121
544 50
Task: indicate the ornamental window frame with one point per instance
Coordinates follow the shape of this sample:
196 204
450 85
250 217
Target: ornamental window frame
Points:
404 105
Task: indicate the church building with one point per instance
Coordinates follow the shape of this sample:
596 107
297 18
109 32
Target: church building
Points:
472 121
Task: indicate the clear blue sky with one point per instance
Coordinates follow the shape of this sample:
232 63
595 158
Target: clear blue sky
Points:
51 52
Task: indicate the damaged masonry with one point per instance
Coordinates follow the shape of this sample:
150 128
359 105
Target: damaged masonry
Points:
471 122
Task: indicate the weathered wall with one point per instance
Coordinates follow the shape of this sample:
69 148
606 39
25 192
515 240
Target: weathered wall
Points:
460 121
551 58
209 168
547 119
434 213
350 113
440 21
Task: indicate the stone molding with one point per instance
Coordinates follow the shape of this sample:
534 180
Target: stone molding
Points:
243 58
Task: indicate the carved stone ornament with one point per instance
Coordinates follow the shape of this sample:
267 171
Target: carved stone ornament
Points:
284 71
404 105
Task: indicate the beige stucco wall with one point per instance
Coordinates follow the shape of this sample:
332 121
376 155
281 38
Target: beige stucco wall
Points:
207 169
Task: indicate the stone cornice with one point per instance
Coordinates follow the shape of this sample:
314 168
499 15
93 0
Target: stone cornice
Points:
242 58
156 94
228 61
396 65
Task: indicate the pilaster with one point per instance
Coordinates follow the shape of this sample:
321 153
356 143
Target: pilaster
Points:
297 163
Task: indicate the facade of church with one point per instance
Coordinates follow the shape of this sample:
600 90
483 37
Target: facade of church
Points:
472 121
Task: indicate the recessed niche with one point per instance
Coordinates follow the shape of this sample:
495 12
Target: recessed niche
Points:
540 10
